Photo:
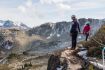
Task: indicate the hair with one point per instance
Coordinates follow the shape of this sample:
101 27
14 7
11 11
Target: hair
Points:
73 17
88 24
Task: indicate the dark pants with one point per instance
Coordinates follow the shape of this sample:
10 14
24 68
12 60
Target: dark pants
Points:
74 40
87 35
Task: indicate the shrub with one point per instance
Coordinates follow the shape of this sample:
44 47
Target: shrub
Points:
2 37
13 55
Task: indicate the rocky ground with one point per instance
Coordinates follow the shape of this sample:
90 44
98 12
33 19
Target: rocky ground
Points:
40 62
74 63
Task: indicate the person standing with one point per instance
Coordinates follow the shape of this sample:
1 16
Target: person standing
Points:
75 29
86 30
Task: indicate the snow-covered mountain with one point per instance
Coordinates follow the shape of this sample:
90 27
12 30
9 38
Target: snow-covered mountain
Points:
11 24
1 23
58 34
62 29
23 26
8 24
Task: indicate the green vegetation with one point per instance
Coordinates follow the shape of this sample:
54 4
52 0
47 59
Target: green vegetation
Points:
13 55
94 45
1 37
26 66
97 52
4 67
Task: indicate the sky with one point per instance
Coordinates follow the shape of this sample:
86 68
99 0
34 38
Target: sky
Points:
36 12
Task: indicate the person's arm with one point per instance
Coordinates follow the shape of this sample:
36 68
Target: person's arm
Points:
90 30
84 29
79 27
71 29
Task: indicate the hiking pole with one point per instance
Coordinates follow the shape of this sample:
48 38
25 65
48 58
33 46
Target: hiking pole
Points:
103 58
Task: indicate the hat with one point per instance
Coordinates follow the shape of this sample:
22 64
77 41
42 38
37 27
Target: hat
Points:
87 22
73 16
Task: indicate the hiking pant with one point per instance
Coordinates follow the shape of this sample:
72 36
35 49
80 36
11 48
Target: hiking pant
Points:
87 35
74 39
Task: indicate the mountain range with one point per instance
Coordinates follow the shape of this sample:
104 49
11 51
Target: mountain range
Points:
11 24
58 34
55 35
59 29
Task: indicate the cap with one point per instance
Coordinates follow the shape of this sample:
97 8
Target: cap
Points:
73 16
87 22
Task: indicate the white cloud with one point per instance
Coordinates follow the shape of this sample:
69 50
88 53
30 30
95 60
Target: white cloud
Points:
36 13
26 7
74 4
60 4
86 5
64 6
29 9
14 15
30 13
29 3
52 1
22 8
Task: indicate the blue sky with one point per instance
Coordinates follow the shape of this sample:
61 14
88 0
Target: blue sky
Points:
37 12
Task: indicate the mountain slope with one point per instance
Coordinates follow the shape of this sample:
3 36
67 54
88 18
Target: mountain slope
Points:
62 29
11 24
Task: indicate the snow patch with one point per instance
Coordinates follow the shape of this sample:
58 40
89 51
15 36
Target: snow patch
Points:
83 54
97 64
58 35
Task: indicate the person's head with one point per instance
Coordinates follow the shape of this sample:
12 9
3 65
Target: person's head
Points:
88 23
73 17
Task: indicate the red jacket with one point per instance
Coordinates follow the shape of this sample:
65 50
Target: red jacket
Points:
86 29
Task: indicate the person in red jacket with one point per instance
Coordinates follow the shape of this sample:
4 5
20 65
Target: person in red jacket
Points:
86 30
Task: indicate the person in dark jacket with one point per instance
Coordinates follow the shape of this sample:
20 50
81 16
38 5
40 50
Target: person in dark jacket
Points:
75 29
54 62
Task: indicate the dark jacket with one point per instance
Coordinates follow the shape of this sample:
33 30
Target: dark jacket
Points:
75 27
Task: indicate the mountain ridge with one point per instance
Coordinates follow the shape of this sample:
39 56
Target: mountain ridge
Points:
11 24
